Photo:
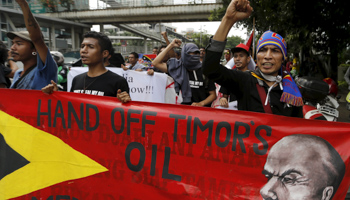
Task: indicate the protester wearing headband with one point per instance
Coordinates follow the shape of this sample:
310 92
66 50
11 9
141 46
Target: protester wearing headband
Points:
268 89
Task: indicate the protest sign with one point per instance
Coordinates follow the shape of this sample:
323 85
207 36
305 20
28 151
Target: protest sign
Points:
143 87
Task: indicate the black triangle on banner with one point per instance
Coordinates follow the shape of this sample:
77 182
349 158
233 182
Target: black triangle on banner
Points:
10 160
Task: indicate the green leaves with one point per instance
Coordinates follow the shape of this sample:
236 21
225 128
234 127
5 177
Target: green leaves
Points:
318 25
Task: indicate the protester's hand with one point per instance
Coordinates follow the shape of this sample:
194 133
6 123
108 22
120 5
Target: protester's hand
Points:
200 104
150 72
138 70
123 96
20 1
238 10
123 67
163 34
50 88
176 43
223 102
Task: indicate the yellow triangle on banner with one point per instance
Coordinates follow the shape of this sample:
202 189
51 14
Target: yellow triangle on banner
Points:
51 160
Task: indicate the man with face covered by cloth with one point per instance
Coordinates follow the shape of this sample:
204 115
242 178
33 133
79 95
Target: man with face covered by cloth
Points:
268 89
187 73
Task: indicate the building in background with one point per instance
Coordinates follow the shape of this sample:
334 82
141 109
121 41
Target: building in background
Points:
136 3
59 34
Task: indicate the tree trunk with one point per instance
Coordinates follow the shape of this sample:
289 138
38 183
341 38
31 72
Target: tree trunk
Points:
334 60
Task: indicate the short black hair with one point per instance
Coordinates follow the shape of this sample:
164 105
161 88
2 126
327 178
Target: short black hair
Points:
136 55
240 50
3 53
103 40
155 48
161 47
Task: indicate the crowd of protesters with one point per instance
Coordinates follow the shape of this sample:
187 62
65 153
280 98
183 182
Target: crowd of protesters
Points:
263 86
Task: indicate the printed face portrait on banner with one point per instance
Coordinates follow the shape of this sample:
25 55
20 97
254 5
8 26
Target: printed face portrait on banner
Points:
302 167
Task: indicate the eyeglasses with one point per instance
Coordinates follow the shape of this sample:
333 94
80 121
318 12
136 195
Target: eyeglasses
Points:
131 57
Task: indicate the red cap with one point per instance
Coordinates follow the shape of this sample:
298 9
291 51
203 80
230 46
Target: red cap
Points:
240 47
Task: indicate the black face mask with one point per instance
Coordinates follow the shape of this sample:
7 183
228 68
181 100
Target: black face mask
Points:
192 60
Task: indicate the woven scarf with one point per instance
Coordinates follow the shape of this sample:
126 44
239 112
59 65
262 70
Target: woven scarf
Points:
291 94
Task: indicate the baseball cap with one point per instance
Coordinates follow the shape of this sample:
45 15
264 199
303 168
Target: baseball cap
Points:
22 34
240 47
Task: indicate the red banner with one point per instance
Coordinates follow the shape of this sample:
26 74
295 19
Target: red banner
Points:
76 146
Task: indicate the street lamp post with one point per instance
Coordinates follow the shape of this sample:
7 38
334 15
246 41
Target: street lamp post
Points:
200 36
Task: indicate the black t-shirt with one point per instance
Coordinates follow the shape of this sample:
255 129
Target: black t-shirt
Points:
106 84
200 86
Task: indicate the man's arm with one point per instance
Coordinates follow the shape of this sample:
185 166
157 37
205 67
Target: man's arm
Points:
157 62
171 53
236 11
208 100
34 30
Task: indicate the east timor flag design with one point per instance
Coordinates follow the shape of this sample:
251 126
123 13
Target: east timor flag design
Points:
31 159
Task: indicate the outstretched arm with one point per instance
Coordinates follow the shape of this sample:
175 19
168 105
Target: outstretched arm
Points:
33 29
236 11
158 61
171 52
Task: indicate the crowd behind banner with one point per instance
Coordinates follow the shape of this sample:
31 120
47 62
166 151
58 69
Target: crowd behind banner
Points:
95 148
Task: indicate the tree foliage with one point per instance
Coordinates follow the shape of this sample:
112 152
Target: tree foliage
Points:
233 41
319 25
52 5
201 39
